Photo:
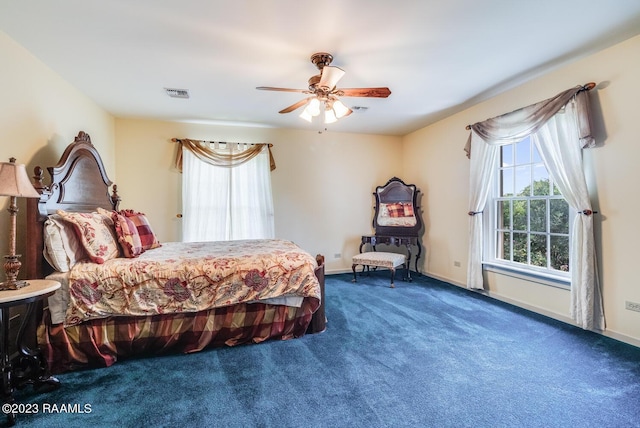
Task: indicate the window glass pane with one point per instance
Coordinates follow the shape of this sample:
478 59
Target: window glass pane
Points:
559 251
538 214
507 155
503 246
520 247
506 182
540 181
523 181
504 214
520 214
559 216
531 223
539 250
523 152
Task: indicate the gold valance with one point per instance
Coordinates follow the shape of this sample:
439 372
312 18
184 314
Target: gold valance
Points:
203 151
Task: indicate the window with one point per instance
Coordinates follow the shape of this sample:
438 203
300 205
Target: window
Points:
222 203
528 225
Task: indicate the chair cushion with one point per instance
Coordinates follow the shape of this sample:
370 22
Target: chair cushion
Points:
379 258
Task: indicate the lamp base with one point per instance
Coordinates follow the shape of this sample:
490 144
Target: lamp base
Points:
12 285
12 267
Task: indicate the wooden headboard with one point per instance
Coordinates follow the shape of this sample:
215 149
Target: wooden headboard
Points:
78 183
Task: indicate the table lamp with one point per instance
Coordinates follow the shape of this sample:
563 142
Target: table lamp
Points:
14 182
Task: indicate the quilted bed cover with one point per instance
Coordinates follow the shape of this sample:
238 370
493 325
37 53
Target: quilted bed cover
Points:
187 277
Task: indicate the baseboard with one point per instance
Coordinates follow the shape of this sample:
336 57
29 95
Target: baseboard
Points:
445 279
337 271
558 317
607 333
621 337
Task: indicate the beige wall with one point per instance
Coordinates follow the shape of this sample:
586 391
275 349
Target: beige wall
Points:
40 114
433 159
323 183
322 186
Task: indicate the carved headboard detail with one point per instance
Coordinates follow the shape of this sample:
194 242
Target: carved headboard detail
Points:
79 183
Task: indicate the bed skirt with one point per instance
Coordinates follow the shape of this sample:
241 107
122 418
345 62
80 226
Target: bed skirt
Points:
99 343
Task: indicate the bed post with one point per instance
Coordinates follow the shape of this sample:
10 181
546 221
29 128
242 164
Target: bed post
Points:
319 321
34 263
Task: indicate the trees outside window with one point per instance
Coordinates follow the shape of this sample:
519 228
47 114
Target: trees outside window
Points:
529 221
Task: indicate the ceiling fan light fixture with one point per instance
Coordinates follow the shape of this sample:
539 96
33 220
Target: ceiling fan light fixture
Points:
340 109
330 116
324 92
306 116
313 108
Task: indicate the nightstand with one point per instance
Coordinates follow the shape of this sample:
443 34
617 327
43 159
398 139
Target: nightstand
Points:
29 367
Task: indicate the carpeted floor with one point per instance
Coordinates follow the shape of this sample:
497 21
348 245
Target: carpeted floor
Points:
425 354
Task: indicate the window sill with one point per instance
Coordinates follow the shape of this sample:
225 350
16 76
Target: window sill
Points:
557 281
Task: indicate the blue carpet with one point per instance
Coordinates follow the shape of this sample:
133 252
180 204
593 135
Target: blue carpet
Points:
425 354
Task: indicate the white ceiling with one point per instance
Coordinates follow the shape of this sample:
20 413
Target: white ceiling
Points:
436 56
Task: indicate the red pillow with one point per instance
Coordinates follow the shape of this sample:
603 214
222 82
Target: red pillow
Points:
408 210
128 236
148 239
395 210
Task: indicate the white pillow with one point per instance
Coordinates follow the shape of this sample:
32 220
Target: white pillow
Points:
62 247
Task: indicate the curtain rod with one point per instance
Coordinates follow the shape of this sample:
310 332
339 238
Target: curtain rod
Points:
179 140
586 87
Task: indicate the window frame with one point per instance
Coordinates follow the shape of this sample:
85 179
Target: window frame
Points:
213 215
525 271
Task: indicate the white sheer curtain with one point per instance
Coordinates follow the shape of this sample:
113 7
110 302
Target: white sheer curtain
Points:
483 158
556 143
556 133
223 203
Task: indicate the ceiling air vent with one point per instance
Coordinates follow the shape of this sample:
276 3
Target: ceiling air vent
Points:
177 93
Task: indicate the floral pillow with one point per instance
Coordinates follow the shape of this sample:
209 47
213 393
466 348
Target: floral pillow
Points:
127 234
96 233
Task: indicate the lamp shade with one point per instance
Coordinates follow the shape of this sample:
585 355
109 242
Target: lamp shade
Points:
340 109
329 116
14 181
306 116
313 108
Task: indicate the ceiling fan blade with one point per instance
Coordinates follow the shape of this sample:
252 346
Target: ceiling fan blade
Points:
270 88
364 92
330 76
297 105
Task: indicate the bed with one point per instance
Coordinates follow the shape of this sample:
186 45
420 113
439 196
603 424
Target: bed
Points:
145 297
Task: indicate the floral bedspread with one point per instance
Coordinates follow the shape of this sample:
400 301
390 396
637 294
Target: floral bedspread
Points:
190 277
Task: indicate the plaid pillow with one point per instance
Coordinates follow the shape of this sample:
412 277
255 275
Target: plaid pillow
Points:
96 234
128 236
408 210
395 210
148 239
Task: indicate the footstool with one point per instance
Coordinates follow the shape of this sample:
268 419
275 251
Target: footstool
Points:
379 259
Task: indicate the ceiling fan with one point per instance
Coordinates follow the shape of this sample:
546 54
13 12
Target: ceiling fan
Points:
324 93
